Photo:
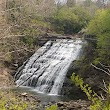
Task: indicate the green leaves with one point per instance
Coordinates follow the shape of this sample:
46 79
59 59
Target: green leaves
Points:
52 107
85 87
14 101
70 20
100 27
100 24
97 103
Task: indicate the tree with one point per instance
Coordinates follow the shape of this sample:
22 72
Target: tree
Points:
100 28
46 8
70 20
99 102
21 24
71 3
99 3
88 3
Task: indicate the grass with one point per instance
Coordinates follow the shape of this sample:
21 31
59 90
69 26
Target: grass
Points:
12 101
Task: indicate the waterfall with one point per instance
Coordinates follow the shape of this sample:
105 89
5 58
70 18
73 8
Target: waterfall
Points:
46 70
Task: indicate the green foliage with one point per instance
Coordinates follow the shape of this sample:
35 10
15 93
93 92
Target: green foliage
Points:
52 107
9 101
85 87
69 20
100 23
88 3
97 102
103 48
28 40
100 27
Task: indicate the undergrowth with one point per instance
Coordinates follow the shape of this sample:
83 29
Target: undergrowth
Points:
97 102
11 101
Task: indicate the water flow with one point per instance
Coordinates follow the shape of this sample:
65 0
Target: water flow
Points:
46 69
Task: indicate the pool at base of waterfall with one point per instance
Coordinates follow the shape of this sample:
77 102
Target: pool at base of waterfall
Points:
44 98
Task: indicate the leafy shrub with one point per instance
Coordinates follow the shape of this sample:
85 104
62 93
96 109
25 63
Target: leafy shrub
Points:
52 107
10 101
69 20
100 27
97 102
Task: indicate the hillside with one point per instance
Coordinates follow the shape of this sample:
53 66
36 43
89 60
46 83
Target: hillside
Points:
26 25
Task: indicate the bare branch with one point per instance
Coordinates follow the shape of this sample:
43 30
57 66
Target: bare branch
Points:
14 8
109 70
103 89
105 86
100 69
102 97
104 65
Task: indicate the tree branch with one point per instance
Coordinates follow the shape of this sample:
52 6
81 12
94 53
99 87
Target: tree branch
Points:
100 69
104 65
14 8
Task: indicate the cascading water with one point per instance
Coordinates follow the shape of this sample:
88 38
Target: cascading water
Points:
46 69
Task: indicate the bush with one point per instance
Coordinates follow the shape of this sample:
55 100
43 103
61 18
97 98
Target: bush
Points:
10 101
52 107
99 26
97 102
69 20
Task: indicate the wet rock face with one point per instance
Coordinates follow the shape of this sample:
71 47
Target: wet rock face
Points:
69 89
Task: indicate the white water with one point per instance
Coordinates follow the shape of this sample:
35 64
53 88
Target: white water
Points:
49 65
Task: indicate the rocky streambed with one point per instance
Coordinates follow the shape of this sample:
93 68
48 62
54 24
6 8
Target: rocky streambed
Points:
62 105
42 101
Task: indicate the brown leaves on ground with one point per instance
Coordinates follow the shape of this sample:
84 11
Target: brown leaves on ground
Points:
5 78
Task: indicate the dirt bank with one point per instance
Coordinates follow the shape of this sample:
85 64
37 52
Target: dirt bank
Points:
6 79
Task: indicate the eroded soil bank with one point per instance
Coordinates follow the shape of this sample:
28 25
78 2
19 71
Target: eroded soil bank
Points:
6 80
